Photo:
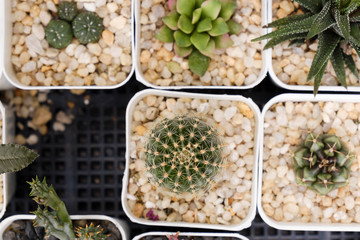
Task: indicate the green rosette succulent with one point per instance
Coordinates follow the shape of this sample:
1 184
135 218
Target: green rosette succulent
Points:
183 154
198 27
334 23
322 163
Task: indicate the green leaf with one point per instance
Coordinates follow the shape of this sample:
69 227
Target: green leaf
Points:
337 61
219 28
318 78
322 21
182 51
343 23
228 8
234 27
288 20
185 7
355 34
210 49
355 17
350 63
198 63
171 20
165 34
14 157
182 39
204 25
311 5
185 24
223 41
200 40
211 9
172 5
196 15
296 42
276 40
198 3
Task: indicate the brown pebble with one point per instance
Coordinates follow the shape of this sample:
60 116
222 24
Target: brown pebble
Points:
108 37
138 209
42 116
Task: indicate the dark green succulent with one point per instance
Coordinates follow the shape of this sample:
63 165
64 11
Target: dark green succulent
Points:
322 163
87 27
335 23
198 27
58 33
67 11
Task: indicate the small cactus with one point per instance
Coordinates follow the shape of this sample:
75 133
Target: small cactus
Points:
183 154
322 163
67 11
87 27
91 232
58 33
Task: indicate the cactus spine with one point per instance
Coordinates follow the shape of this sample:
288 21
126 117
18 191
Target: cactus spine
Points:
183 154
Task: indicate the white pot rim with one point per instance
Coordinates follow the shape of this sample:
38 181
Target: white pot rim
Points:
140 76
3 141
196 234
246 222
298 226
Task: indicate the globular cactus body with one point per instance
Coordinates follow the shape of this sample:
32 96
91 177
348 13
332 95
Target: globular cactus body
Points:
183 154
58 33
322 163
87 27
90 232
67 11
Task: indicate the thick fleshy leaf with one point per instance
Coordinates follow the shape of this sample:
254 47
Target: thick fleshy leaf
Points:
276 40
172 5
210 49
182 51
300 156
198 3
355 34
171 20
311 5
223 41
200 40
204 25
182 39
165 34
318 78
287 20
196 15
350 63
337 61
185 7
185 25
14 157
211 9
228 8
322 21
219 27
343 23
355 17
234 27
198 63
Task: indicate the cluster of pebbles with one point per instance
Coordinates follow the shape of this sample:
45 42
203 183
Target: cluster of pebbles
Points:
286 126
236 66
229 200
107 62
292 64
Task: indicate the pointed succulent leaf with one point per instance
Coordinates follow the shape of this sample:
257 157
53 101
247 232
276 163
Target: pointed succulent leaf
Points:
296 42
314 142
355 17
196 16
185 7
352 6
288 20
322 188
300 157
309 174
344 158
234 27
165 34
14 157
322 21
350 63
343 22
182 39
171 20
182 51
337 61
200 40
211 9
172 5
228 8
198 63
317 79
311 5
223 41
341 176
355 34
219 28
276 40
204 25
185 25
209 51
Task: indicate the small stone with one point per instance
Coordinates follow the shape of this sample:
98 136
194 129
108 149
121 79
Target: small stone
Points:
189 216
118 22
108 37
229 113
245 110
34 44
42 116
58 127
218 115
138 210
32 139
29 67
45 17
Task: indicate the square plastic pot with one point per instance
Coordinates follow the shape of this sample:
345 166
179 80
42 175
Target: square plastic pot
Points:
7 66
246 221
192 234
140 75
120 225
300 226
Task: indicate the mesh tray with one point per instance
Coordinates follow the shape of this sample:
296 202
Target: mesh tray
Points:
85 163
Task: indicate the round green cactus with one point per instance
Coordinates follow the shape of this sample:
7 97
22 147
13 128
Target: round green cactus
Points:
67 11
87 27
322 163
183 154
90 232
198 27
58 33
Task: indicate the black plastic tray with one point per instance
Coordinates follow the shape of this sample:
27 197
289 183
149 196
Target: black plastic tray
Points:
85 163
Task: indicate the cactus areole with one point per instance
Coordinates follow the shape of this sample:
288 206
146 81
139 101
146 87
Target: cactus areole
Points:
322 163
183 154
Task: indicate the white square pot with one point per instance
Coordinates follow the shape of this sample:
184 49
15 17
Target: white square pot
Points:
120 225
247 219
192 234
298 225
141 77
7 66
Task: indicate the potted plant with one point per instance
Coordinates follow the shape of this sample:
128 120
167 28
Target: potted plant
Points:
46 47
181 235
308 164
174 52
209 182
323 28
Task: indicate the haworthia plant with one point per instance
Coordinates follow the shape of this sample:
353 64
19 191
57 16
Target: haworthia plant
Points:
197 28
14 157
335 23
